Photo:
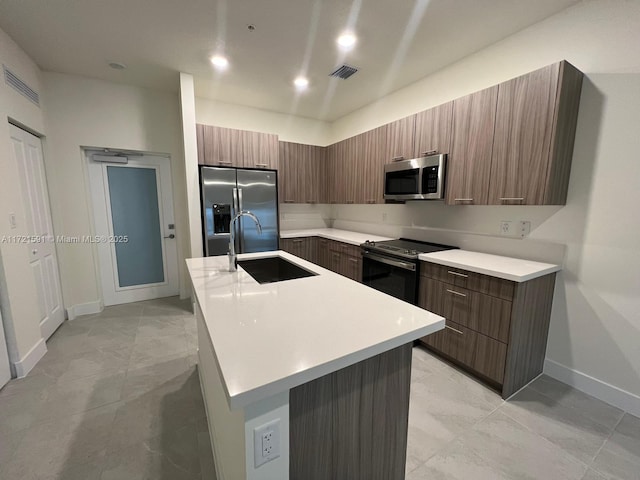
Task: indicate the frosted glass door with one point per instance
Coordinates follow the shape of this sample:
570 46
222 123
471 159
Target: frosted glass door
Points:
135 215
133 211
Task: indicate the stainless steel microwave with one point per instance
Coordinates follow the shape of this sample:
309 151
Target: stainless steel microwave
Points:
418 179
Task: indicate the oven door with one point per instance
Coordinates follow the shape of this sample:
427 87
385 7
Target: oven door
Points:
395 277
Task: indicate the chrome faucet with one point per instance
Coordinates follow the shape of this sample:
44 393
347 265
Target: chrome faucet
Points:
233 258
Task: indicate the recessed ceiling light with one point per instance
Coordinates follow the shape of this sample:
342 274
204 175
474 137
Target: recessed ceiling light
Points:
117 65
220 62
301 83
347 40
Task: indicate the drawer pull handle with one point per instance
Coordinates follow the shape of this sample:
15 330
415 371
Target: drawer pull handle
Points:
298 241
355 260
289 201
225 163
398 158
261 165
458 274
515 199
456 293
463 199
454 329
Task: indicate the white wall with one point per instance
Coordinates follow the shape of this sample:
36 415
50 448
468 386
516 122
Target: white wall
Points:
595 326
289 128
597 36
87 112
17 284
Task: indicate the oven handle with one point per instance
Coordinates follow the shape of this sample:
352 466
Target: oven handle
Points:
389 261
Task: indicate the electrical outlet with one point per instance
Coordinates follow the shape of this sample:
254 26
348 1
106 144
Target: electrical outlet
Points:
266 442
507 228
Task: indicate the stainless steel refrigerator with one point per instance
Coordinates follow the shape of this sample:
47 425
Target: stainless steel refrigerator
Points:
226 191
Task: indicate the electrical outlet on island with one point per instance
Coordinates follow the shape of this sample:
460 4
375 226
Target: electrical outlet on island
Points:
266 442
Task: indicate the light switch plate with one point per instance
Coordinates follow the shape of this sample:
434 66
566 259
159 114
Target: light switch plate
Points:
12 220
266 442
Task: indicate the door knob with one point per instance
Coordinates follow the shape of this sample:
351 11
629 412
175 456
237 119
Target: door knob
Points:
170 236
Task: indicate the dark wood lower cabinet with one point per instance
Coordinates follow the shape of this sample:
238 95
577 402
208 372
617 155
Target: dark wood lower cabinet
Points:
352 424
495 328
304 247
338 257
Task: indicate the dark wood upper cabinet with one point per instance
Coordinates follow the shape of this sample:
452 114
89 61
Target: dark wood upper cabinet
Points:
228 147
400 144
350 173
469 163
536 118
371 160
260 150
301 173
433 130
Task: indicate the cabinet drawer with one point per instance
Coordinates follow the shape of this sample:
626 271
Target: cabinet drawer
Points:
485 314
478 352
351 267
496 287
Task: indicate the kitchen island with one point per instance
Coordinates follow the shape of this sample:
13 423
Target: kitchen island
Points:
323 362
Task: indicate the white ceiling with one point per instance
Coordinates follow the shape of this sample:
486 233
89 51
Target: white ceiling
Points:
399 42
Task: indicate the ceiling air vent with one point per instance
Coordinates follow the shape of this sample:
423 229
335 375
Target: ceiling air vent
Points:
343 72
22 88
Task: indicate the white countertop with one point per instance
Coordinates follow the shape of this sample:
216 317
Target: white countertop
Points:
270 338
509 268
354 238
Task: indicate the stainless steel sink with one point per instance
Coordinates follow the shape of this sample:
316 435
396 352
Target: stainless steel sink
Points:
273 269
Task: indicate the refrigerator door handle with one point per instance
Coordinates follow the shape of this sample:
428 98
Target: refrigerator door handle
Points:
236 210
241 230
234 207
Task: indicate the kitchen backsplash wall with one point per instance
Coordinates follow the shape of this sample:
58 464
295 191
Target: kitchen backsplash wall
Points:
469 227
302 216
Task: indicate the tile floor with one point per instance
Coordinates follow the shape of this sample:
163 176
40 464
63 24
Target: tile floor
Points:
117 397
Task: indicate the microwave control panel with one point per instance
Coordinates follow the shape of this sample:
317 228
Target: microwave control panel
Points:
430 180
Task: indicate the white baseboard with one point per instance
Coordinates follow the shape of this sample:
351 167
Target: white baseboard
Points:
33 356
611 394
75 311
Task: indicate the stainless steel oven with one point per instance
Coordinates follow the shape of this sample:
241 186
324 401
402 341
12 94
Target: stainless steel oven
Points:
391 275
393 266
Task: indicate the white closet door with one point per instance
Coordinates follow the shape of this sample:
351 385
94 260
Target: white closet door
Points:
5 370
42 255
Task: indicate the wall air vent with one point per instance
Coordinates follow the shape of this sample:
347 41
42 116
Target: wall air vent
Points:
22 88
343 71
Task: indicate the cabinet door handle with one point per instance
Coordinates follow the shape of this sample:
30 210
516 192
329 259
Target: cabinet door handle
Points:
289 201
458 274
354 260
371 201
298 241
398 158
515 199
225 163
463 199
454 330
429 152
261 165
456 293
350 201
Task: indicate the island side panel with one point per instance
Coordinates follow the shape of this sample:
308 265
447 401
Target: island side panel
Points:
226 427
352 424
